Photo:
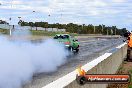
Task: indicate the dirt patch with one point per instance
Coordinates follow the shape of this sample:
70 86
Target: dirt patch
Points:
125 68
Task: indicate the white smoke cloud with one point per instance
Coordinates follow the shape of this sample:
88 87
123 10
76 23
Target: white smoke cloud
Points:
19 61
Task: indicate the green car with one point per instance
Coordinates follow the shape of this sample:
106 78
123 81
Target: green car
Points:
69 41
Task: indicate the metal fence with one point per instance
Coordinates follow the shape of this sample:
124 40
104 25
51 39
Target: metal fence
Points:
6 26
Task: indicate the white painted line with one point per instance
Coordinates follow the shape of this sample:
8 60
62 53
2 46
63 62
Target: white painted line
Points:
67 79
95 62
121 45
63 81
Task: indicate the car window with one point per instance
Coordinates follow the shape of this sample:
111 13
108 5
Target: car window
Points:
65 36
61 37
56 37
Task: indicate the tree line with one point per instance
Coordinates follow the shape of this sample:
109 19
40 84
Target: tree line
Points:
80 29
3 22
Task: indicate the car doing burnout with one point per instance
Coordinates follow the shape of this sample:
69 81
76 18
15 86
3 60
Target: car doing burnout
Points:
70 42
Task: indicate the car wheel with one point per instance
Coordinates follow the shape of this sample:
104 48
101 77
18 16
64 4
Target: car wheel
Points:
70 49
77 50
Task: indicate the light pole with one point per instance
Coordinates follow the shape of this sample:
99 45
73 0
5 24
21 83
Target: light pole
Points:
94 29
35 23
49 22
32 23
19 21
10 26
10 20
107 31
111 31
115 31
61 18
102 28
19 18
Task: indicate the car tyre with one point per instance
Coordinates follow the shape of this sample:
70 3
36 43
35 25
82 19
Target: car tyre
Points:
77 50
70 49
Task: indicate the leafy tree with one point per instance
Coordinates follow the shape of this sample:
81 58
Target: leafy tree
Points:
80 29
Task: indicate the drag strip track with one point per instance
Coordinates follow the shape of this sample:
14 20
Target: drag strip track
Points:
90 48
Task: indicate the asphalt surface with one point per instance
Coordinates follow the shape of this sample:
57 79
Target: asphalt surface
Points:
90 48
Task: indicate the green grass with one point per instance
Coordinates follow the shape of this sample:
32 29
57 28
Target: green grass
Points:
124 62
4 31
121 68
44 33
130 86
130 71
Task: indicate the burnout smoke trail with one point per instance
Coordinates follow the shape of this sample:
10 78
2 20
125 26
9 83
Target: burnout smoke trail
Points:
19 61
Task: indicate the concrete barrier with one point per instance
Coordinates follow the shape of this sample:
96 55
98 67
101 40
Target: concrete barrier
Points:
106 64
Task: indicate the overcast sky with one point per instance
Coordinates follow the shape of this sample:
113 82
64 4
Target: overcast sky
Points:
108 12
